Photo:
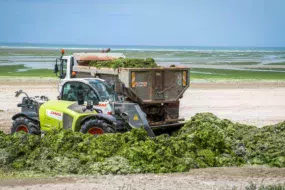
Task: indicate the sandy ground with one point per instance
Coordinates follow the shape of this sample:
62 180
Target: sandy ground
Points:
209 178
258 103
253 103
8 101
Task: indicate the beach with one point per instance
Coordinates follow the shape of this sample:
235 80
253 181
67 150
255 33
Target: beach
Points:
245 86
142 95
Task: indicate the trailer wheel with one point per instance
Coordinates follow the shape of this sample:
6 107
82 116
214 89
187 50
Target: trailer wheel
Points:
96 127
26 125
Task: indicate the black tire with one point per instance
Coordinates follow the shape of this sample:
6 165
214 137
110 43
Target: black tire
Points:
26 125
96 127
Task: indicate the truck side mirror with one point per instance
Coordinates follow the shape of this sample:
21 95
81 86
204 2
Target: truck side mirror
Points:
55 70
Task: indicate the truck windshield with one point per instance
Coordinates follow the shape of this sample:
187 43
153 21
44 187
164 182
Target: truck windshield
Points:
105 91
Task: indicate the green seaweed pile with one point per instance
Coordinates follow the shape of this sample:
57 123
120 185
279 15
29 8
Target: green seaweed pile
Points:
125 63
204 141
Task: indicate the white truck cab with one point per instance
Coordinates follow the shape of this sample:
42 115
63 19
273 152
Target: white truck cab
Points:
66 63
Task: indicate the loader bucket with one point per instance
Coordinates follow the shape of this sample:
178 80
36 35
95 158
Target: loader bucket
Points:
136 118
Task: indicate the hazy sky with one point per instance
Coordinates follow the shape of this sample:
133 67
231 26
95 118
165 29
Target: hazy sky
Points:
144 22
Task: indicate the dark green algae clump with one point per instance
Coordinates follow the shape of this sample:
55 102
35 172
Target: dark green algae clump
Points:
204 141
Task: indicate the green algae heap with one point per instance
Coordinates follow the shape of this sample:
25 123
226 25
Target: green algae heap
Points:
204 141
125 63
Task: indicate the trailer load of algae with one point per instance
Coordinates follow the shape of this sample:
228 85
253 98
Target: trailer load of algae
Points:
204 141
125 63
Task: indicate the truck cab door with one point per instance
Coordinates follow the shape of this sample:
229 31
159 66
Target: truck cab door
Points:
62 67
65 67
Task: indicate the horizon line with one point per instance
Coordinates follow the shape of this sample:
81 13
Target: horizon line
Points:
214 46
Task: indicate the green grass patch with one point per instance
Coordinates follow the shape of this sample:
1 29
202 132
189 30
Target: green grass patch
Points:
22 71
279 63
206 73
267 69
29 52
236 63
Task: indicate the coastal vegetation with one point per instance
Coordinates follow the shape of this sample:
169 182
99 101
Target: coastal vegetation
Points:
23 71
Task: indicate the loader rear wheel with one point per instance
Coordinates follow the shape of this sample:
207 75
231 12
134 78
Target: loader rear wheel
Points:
26 125
96 127
96 131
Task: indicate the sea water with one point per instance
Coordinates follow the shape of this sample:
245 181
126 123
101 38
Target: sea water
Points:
44 55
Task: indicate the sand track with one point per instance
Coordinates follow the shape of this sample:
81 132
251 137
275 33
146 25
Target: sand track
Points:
255 103
209 178
259 103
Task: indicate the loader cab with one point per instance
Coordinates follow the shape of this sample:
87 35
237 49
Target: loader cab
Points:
71 89
96 90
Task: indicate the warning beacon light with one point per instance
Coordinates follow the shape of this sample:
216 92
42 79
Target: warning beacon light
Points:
62 51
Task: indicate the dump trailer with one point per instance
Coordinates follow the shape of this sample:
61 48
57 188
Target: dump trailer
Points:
156 90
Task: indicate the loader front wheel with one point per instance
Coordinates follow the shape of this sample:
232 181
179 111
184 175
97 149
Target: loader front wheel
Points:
96 127
26 125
